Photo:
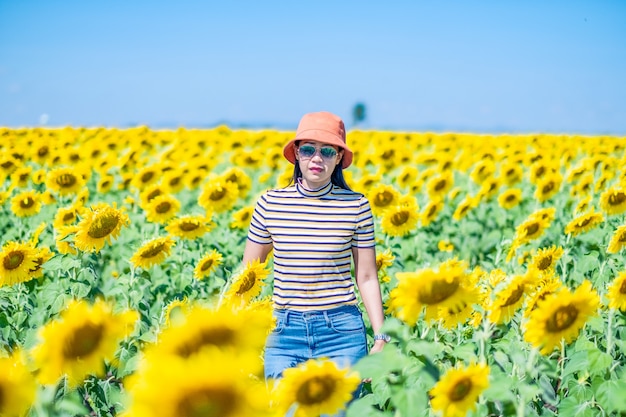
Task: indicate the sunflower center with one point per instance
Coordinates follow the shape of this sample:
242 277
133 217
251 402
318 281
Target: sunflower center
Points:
315 390
105 184
440 290
622 288
440 185
547 187
153 194
562 319
514 297
13 259
188 226
544 263
208 402
617 198
83 341
432 210
384 199
103 226
153 251
247 283
174 181
43 151
27 202
531 229
622 237
68 216
218 194
207 265
221 336
584 222
399 218
461 389
163 207
510 198
146 177
66 180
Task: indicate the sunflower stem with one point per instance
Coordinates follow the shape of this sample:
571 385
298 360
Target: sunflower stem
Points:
609 332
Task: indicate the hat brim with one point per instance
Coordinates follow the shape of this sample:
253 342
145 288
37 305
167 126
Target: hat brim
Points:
289 151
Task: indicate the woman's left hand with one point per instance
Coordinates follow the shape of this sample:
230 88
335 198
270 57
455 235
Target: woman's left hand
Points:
378 346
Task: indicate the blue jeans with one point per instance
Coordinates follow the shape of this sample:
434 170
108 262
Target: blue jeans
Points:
337 334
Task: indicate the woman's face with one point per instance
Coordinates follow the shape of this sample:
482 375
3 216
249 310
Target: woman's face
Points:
317 162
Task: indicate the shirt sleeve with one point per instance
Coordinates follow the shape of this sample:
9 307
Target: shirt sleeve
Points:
364 234
258 232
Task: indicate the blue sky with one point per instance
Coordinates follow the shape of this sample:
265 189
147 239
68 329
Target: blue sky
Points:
478 66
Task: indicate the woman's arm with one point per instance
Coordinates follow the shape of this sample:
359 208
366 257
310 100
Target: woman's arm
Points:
369 287
254 251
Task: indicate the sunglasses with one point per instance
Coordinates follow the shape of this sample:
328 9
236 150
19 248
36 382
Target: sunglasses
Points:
307 151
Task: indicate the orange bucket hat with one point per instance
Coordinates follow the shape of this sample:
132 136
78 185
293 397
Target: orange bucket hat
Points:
322 127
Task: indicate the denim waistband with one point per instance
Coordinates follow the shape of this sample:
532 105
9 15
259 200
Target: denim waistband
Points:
286 313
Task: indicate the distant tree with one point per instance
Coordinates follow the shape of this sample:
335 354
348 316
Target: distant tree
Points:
358 113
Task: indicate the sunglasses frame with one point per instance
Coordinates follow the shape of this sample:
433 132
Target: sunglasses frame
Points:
319 150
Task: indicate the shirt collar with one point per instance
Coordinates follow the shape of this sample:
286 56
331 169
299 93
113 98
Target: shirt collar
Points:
318 192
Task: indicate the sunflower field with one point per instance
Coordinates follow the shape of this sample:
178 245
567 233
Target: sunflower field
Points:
122 292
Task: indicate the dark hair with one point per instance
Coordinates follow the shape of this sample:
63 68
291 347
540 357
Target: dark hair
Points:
336 177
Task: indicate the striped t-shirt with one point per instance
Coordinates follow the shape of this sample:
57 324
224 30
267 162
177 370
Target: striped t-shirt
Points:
313 233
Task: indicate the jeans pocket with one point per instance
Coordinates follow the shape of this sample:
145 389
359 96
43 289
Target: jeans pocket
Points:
347 323
280 325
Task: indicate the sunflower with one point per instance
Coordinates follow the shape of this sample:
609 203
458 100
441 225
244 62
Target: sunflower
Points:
407 176
613 201
65 181
431 289
400 219
189 226
80 341
547 187
248 284
162 208
530 229
149 193
382 197
17 262
316 387
545 259
146 176
152 252
584 223
173 181
618 240
65 216
241 218
550 284
176 311
384 259
170 386
464 207
483 169
101 224
21 176
438 186
458 390
17 387
26 204
239 177
218 195
105 184
560 317
583 205
42 255
241 331
510 198
445 246
616 292
511 173
509 299
430 212
489 187
207 264
544 214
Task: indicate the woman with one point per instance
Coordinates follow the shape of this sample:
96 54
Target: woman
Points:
317 227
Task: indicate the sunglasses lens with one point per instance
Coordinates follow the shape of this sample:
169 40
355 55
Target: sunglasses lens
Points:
328 152
307 151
